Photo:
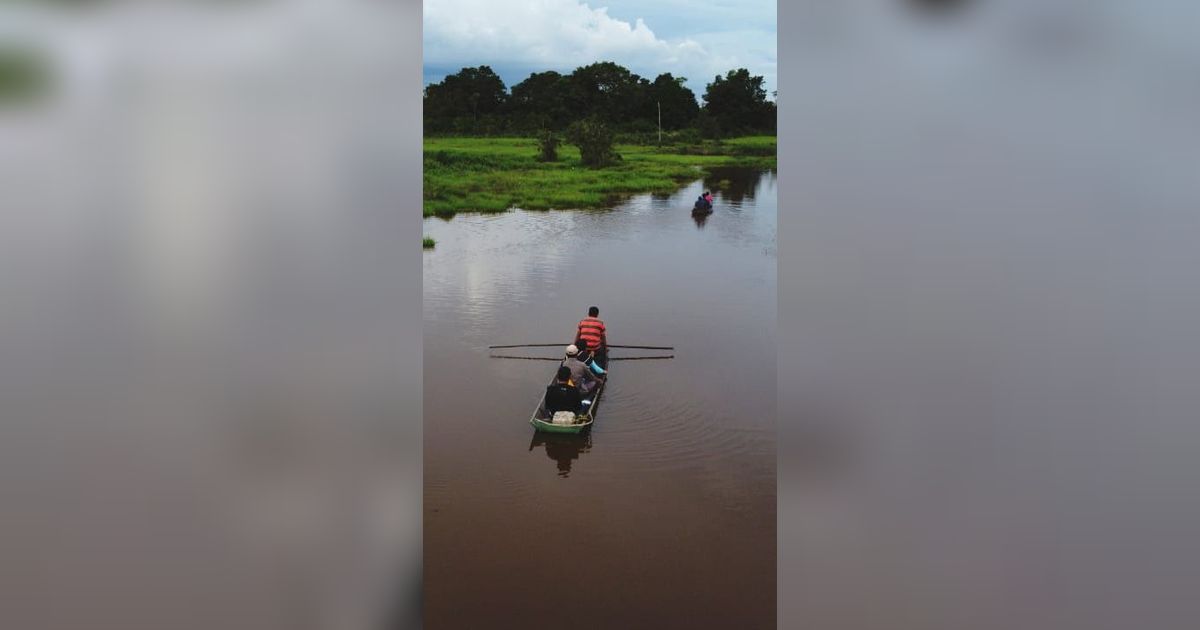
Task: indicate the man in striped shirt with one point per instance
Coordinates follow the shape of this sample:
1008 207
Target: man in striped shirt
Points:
592 330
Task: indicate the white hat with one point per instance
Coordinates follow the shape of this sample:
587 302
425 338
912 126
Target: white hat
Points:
572 350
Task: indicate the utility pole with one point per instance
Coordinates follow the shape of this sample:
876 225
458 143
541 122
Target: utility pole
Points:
659 103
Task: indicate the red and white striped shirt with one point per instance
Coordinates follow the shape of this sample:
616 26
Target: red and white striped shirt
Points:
592 330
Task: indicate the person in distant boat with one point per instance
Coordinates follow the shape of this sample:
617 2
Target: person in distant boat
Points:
593 330
587 357
561 395
581 374
704 202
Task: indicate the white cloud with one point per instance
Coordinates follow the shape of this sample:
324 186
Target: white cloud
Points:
564 34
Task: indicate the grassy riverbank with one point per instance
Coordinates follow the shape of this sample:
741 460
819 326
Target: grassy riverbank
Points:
495 174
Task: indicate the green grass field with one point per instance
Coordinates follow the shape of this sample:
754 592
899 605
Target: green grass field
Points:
495 174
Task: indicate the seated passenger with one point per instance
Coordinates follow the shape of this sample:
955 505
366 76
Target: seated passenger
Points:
581 374
561 395
585 355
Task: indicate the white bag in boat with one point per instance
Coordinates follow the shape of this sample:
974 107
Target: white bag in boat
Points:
563 417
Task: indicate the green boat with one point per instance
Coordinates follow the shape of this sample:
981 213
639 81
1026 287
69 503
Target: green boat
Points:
541 419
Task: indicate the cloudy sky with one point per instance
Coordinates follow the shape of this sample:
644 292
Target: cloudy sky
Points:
517 37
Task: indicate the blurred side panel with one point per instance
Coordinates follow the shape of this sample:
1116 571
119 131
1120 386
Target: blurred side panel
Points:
210 339
988 306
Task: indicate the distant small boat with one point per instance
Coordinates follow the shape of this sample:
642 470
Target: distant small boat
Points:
700 208
541 419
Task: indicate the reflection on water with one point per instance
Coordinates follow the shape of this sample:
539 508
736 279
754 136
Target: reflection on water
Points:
682 451
734 184
562 448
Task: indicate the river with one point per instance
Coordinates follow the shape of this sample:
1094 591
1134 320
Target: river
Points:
664 516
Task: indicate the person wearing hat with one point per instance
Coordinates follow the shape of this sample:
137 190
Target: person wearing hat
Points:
585 355
581 374
561 395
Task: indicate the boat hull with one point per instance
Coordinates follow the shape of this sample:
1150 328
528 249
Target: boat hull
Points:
541 418
550 427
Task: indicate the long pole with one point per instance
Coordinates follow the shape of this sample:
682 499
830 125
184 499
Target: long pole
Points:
551 345
507 356
531 345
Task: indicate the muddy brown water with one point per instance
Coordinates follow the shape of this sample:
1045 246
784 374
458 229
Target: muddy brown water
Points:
664 515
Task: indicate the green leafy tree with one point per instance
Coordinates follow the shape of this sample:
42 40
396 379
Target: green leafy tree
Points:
770 117
608 92
540 101
548 146
678 103
595 142
708 126
738 102
469 99
475 101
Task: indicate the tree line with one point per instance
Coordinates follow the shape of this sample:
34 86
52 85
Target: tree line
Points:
475 101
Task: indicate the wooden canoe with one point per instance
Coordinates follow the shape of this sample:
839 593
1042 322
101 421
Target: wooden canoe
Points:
583 420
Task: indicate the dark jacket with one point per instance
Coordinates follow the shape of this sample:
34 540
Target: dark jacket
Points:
702 204
562 397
